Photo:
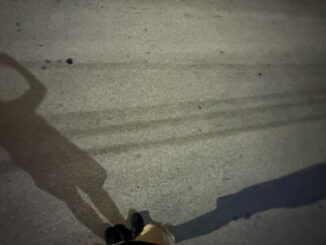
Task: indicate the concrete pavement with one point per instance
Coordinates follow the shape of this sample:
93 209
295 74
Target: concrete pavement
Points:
174 103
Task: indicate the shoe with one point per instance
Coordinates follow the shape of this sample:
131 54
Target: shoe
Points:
112 236
116 234
137 223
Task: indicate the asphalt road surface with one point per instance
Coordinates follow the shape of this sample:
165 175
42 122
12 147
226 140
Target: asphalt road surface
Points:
210 115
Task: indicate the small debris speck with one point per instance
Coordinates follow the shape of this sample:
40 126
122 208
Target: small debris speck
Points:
145 29
43 67
221 52
259 74
69 61
17 24
58 106
47 61
199 107
40 45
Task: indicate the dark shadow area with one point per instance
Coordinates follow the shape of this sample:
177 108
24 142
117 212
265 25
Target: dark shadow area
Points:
56 165
300 188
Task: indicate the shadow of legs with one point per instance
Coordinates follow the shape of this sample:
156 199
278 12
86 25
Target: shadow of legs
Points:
85 214
106 206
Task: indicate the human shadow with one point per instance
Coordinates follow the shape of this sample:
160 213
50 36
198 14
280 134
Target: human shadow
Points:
300 188
56 165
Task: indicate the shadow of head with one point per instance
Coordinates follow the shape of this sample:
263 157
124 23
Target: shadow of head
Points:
56 165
